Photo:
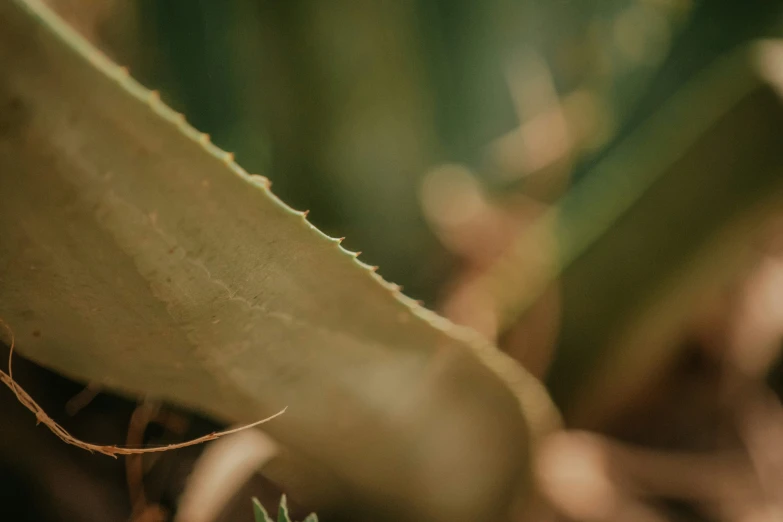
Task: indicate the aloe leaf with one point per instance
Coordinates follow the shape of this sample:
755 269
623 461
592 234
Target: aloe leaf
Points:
135 254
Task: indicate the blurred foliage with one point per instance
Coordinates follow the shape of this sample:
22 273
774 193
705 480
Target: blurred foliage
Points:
347 106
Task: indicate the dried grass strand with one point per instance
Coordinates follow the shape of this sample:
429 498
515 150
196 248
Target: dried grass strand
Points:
110 450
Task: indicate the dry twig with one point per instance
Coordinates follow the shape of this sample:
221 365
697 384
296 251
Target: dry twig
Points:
110 450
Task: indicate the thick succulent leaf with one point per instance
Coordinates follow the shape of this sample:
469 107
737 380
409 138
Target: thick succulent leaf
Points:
135 254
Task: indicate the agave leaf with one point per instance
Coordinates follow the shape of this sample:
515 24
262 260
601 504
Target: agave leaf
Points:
135 254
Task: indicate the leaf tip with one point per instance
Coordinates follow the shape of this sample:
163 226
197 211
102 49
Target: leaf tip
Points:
282 512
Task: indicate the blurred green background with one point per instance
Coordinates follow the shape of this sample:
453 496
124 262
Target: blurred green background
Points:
346 106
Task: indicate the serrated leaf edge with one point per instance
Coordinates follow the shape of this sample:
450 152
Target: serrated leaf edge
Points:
527 389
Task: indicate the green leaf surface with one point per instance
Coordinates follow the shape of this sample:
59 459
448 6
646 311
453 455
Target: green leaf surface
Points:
135 254
259 512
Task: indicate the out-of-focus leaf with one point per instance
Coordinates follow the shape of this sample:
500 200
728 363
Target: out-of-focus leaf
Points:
656 227
666 220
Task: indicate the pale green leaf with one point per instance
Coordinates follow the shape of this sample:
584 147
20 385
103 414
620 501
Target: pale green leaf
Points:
135 254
